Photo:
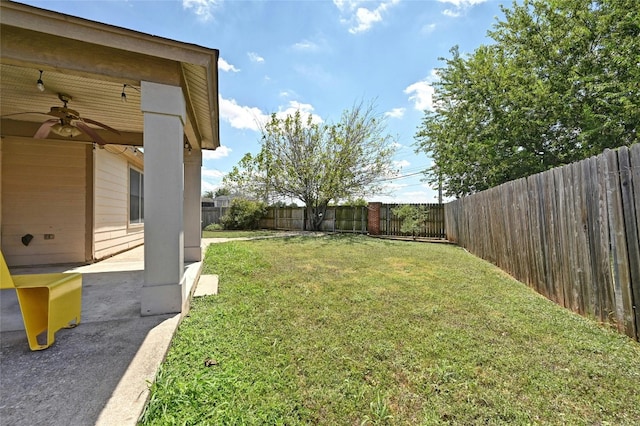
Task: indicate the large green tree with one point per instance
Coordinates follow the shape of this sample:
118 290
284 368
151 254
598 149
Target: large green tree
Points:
560 83
317 163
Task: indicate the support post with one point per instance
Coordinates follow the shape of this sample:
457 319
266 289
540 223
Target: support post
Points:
164 112
192 206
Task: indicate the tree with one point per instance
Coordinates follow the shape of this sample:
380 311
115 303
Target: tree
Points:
207 194
559 84
357 202
222 191
317 163
412 218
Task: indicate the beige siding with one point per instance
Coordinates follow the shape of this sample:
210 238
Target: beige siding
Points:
112 233
43 192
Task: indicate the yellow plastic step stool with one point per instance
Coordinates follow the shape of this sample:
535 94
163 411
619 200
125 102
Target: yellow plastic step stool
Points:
48 302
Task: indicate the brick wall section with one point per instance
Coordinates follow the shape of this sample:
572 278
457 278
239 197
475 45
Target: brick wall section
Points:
373 222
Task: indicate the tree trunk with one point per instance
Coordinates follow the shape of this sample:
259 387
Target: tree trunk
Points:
315 215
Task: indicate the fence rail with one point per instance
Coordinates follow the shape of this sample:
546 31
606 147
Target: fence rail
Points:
571 233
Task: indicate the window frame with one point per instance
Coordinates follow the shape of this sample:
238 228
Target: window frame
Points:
138 221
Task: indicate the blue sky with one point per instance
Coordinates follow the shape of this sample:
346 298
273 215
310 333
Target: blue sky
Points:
318 56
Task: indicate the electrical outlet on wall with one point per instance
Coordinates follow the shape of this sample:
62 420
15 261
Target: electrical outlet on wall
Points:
49 236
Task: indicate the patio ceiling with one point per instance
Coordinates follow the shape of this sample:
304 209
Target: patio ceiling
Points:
92 62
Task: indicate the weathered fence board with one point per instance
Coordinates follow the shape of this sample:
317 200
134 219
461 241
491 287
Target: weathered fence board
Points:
634 203
572 234
350 219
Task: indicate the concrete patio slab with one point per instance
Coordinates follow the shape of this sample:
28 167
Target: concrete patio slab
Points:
96 373
99 372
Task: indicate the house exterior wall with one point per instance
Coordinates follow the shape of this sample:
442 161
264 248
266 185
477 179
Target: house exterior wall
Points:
44 193
112 231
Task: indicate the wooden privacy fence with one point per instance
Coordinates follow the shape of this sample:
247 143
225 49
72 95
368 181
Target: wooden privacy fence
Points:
336 219
284 218
212 214
433 227
571 233
357 220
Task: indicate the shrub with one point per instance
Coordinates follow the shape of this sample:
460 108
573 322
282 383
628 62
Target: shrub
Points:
213 227
412 218
244 214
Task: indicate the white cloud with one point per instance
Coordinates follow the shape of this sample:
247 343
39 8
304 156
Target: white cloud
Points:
220 152
211 179
241 117
463 3
305 111
252 118
226 66
428 29
343 4
217 174
202 8
287 94
395 113
401 163
254 57
206 186
452 13
362 19
421 92
306 45
459 6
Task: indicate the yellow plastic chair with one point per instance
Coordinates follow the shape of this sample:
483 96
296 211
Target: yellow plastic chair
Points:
48 302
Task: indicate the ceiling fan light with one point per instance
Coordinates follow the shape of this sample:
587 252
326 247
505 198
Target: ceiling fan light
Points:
65 130
40 83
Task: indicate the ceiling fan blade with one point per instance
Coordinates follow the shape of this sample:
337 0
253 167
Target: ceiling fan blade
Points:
23 113
97 123
44 129
91 133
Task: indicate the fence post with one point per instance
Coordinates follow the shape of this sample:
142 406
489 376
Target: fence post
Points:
373 220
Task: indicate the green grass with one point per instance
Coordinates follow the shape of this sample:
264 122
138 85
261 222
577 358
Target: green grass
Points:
238 234
347 330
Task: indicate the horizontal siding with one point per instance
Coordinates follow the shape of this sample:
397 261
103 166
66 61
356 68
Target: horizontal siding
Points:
112 244
111 208
43 192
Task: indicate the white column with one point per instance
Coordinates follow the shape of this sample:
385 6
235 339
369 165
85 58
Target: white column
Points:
164 111
192 206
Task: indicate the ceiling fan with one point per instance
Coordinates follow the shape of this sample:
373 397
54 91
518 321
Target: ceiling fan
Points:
68 123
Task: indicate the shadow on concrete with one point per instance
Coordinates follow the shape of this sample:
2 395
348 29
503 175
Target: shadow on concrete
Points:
96 373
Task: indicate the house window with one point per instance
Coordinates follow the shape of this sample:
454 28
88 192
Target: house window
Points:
136 196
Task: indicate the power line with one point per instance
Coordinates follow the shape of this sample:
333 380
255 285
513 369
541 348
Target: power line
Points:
399 177
414 168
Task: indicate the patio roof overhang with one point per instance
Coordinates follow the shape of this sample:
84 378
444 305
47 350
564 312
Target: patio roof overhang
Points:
92 62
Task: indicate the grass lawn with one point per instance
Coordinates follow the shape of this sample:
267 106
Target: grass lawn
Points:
349 330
